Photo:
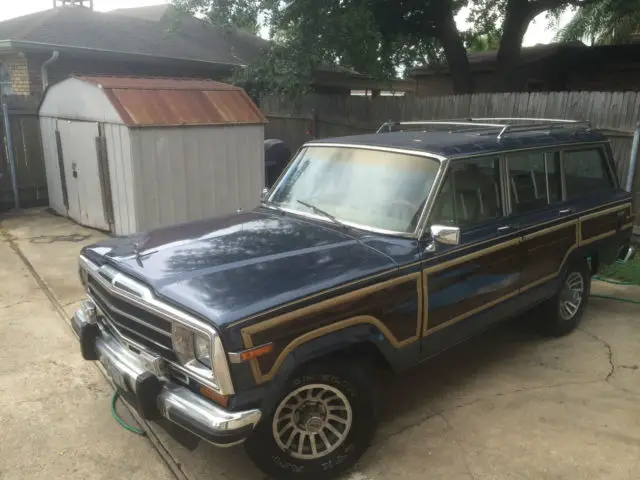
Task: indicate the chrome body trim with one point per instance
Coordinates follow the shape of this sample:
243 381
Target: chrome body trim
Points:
130 317
142 297
445 234
417 153
175 403
496 122
235 357
431 198
183 407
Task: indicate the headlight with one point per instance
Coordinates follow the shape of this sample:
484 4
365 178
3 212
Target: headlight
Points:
203 356
202 349
193 350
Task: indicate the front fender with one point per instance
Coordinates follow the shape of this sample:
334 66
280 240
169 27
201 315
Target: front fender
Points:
328 346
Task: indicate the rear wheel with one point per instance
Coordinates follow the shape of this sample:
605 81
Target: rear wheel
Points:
323 423
562 313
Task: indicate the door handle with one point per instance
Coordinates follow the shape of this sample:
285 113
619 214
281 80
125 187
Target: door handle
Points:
565 211
505 228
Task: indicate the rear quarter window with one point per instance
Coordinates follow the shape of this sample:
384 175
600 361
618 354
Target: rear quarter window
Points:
586 171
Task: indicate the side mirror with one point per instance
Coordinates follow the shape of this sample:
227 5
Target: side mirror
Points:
445 235
265 191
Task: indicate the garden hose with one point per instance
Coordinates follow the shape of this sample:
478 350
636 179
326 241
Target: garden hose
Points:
621 273
120 421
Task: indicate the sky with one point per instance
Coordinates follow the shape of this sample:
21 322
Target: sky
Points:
537 32
13 8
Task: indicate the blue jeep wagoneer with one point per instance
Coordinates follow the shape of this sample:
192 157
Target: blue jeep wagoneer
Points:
370 251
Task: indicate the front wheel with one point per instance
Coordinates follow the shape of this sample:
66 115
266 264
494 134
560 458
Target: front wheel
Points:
563 312
323 423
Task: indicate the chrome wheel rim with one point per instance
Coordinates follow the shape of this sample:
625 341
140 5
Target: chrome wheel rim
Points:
571 295
312 421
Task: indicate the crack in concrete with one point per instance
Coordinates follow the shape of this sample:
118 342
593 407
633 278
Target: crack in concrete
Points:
609 348
21 302
406 428
459 444
610 374
440 413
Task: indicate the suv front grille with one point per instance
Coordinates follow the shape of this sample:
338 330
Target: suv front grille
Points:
132 322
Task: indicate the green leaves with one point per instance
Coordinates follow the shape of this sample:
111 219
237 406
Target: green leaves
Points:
242 14
604 22
382 38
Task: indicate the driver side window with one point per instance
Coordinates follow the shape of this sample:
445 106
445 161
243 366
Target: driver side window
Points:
470 194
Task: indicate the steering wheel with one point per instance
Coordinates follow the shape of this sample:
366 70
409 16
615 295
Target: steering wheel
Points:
409 207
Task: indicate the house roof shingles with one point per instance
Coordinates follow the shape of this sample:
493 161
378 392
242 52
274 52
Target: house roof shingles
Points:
133 33
488 59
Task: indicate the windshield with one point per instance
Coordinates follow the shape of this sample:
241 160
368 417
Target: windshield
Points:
379 189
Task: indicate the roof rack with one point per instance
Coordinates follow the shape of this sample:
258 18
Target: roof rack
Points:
504 124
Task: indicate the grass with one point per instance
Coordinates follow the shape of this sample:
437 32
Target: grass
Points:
624 272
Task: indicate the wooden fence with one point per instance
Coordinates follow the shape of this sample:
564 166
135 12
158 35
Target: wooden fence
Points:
320 116
27 152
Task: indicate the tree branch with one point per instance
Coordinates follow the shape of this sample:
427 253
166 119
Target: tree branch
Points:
539 6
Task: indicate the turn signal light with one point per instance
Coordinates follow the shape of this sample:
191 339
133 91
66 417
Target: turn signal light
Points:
221 400
256 352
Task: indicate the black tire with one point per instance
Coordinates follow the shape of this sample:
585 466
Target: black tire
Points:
355 382
556 319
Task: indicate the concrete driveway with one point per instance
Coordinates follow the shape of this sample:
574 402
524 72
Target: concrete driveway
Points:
506 405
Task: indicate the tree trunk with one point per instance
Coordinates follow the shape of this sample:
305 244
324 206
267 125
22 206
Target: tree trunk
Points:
459 67
510 71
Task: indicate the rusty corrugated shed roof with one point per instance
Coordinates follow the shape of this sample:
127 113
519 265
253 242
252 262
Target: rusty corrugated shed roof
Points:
151 102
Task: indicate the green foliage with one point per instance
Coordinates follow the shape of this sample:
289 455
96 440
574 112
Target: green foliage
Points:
373 37
483 42
242 14
604 22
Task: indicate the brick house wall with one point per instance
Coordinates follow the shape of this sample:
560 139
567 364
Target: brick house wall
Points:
25 70
18 67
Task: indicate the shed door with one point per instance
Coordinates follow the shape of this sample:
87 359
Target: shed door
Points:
82 173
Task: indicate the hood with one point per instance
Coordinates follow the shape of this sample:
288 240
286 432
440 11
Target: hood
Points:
226 269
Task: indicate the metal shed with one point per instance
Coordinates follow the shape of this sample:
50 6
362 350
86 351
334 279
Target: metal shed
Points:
129 154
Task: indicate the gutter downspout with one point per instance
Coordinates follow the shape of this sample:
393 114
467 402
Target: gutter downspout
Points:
9 145
633 161
44 74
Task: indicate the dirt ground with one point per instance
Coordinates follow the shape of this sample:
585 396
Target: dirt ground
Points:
506 405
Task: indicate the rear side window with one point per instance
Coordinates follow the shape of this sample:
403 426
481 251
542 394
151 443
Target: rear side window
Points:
527 181
585 172
470 194
534 180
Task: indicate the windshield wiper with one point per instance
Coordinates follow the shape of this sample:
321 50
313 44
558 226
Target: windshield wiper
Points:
273 206
323 213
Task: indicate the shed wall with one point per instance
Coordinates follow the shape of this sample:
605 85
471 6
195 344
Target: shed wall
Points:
48 127
121 178
74 99
191 173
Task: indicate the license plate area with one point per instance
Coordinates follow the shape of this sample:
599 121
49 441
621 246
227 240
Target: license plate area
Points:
116 375
153 364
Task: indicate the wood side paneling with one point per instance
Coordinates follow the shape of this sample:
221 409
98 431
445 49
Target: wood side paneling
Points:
544 251
394 307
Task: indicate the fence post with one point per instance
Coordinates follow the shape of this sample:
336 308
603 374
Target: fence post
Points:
9 145
313 125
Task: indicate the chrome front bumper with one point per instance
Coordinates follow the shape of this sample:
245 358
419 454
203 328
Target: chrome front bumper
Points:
158 397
